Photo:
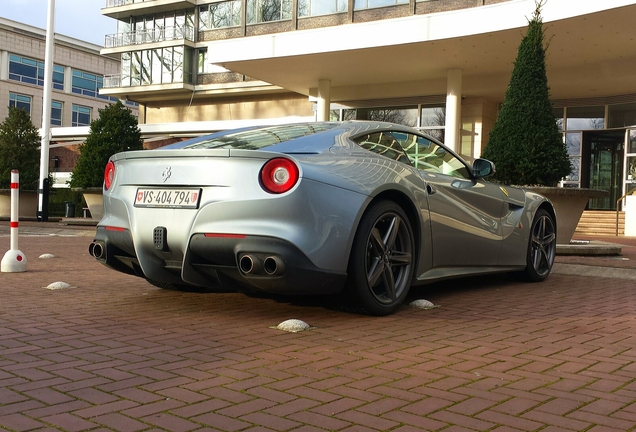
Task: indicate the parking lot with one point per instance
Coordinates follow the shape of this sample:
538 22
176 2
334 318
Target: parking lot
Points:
112 352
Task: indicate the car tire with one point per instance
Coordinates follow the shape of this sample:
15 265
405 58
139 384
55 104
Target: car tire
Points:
541 247
381 263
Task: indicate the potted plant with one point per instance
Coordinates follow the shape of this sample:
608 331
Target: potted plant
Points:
20 150
115 130
525 143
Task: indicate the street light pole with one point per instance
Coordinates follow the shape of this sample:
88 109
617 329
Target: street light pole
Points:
42 213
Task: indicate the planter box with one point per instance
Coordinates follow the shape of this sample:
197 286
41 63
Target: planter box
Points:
94 201
569 204
28 204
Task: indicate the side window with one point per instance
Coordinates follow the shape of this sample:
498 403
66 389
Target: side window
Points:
425 155
383 143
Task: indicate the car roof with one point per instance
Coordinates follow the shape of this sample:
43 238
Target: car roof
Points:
308 137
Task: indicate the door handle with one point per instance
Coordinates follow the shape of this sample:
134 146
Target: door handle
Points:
430 189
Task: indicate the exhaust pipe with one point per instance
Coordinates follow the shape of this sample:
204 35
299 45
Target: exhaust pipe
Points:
96 250
249 264
274 266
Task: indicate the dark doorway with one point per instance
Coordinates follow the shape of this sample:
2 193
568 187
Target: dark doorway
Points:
603 152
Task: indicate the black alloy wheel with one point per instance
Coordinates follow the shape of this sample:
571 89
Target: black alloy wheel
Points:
381 265
542 247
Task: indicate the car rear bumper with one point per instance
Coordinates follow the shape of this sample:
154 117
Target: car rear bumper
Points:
244 263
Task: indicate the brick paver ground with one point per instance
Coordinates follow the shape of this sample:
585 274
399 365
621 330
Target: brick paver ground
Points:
115 353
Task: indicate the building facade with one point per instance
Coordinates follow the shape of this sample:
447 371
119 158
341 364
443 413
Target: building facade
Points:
78 74
439 65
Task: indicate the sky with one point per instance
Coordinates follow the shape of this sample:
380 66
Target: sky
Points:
79 19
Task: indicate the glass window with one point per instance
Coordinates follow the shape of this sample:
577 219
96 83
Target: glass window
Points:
84 83
622 115
81 116
428 156
558 115
632 142
177 64
575 174
125 69
20 101
166 66
146 66
31 71
219 15
383 143
433 121
406 116
156 66
368 4
254 139
259 11
135 69
56 113
321 7
631 169
573 143
585 118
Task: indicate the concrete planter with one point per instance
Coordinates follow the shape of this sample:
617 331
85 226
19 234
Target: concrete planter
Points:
569 204
28 204
94 201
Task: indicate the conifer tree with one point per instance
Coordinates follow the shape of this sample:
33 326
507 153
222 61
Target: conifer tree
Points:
20 150
525 143
116 130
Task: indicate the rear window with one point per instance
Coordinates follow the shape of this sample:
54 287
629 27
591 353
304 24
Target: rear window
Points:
256 139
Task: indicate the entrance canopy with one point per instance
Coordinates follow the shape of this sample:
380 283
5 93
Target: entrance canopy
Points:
591 52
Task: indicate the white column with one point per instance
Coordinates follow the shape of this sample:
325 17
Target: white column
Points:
324 99
68 79
46 109
453 109
4 65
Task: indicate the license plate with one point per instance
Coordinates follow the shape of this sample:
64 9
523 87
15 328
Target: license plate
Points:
168 198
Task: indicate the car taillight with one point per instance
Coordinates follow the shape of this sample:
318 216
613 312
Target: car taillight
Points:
279 175
109 174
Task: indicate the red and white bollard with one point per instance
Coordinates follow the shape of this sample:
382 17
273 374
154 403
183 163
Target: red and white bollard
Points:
14 261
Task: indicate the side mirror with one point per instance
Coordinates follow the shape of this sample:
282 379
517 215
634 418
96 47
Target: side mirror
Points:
483 168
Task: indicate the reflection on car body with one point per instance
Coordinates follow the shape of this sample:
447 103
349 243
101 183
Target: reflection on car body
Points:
361 210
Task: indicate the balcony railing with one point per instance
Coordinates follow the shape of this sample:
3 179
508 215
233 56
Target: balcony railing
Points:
160 34
115 3
112 81
115 81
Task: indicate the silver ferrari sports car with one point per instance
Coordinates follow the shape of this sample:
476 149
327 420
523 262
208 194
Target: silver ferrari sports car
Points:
364 210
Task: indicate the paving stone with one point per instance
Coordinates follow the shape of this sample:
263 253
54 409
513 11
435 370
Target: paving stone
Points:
116 353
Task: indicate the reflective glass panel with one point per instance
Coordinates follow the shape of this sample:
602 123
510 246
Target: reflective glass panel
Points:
367 4
20 101
573 143
575 174
585 118
631 169
81 116
56 113
622 115
558 115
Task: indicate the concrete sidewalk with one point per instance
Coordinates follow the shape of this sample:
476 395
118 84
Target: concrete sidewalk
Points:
115 353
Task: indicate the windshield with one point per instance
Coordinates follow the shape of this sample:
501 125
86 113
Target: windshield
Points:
256 139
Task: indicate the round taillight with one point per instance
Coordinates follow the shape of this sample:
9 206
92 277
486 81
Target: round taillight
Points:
279 175
109 174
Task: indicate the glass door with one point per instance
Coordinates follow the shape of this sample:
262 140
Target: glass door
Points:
630 156
606 166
